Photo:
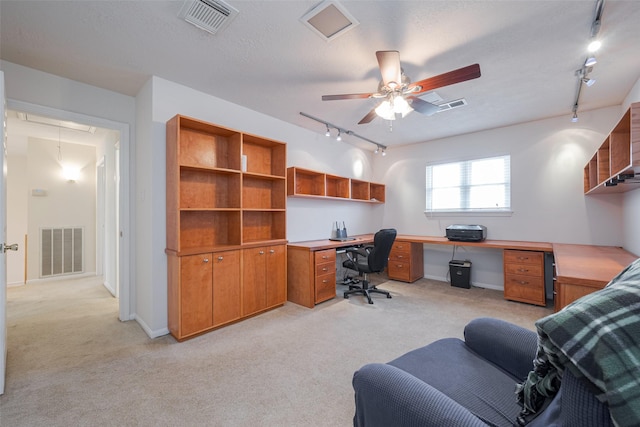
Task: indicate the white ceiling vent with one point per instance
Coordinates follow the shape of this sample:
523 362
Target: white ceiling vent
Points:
450 105
329 20
209 15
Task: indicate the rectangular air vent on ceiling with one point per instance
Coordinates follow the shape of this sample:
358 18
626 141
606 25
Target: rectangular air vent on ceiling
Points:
209 15
450 105
329 20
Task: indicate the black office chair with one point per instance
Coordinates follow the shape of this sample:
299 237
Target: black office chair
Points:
369 259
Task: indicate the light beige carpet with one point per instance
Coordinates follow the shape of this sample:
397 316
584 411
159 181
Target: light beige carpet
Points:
72 363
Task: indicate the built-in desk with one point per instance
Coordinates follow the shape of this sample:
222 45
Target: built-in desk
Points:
580 269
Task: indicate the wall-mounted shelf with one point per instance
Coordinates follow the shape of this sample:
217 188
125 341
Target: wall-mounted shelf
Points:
617 160
312 184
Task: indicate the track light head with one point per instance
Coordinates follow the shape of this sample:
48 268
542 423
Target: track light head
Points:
574 119
339 138
328 132
591 61
589 82
384 153
594 46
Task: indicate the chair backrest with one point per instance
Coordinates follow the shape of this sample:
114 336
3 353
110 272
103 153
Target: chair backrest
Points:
379 255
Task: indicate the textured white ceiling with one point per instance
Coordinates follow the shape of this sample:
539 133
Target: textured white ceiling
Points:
269 61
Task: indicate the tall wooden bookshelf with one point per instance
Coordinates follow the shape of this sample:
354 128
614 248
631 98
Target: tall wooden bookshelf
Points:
226 225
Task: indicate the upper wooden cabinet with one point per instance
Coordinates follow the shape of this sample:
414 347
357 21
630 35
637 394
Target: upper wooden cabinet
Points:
215 199
308 183
618 158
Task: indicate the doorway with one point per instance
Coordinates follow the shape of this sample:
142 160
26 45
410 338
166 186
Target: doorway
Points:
108 233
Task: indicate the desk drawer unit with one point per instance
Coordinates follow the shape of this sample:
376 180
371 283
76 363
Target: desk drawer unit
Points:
406 261
524 276
325 275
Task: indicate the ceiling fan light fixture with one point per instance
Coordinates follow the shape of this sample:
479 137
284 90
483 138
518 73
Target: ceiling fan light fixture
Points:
385 110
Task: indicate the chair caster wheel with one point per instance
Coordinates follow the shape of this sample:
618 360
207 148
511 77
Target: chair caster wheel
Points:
346 296
370 302
388 296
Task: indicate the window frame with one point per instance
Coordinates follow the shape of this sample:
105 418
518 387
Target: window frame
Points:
465 187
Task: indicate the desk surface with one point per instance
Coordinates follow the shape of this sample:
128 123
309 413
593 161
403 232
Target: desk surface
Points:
317 245
589 265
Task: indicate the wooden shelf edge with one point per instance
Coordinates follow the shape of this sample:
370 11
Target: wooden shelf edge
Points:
346 199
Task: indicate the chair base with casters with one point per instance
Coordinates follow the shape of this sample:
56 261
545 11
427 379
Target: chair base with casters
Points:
368 259
362 286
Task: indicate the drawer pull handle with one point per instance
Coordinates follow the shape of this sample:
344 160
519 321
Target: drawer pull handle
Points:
261 252
523 270
220 258
272 251
325 269
324 281
523 282
523 258
205 260
400 256
324 257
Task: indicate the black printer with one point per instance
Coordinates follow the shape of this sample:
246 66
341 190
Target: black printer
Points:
466 233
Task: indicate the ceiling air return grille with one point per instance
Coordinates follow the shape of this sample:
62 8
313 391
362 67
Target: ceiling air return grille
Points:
329 19
450 105
209 15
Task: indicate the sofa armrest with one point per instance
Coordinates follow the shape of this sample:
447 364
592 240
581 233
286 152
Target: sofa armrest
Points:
508 346
388 396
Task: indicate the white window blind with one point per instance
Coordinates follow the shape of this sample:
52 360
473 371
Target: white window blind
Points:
481 185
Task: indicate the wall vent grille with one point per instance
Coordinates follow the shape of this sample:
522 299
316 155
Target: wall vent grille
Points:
208 15
61 251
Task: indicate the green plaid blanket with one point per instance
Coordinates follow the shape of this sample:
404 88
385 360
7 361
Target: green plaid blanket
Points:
597 337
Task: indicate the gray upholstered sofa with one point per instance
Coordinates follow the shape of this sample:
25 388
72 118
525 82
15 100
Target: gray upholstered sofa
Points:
467 383
585 354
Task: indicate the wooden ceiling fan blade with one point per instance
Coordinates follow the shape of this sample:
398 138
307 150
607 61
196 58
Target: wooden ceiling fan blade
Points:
422 106
452 77
346 96
368 118
389 63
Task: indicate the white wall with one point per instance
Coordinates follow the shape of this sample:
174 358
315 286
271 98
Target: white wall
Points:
548 203
66 204
631 202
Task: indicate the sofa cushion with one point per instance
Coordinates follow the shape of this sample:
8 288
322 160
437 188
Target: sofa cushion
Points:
449 366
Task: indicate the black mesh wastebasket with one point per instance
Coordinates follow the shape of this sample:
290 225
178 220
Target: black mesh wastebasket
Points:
460 272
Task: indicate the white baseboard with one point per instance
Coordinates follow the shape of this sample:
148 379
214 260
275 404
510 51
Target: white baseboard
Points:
150 332
476 284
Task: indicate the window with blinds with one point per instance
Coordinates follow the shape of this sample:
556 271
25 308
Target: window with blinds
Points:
475 186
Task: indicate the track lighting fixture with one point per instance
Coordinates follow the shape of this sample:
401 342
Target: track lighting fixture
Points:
590 61
342 131
384 153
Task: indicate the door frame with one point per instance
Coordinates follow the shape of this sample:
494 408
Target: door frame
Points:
125 292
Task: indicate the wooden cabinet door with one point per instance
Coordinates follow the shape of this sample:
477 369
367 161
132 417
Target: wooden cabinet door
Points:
226 287
276 275
254 297
196 294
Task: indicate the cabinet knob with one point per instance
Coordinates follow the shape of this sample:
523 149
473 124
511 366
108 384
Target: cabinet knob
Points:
400 256
324 257
325 269
523 282
523 270
205 260
220 258
272 251
261 252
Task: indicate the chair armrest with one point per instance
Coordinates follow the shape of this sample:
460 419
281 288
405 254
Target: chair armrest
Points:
508 346
388 396
362 251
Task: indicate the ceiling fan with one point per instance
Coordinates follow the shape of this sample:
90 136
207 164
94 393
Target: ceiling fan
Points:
397 92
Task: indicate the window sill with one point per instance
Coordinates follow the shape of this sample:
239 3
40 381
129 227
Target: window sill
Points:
441 214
